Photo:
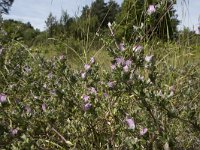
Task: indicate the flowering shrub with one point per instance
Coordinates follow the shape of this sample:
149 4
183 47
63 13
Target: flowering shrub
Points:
44 104
47 105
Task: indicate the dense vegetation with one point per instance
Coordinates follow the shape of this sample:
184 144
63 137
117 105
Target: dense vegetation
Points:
108 79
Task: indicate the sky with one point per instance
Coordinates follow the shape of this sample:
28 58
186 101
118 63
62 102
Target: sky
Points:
37 11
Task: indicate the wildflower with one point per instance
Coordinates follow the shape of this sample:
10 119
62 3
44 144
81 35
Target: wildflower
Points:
87 67
92 60
87 106
131 123
113 67
151 9
14 132
110 84
148 58
85 98
105 94
119 60
143 131
3 98
125 68
83 75
137 48
93 91
27 69
121 46
128 62
44 107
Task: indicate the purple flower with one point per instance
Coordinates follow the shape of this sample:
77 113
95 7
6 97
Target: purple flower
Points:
119 60
27 69
87 106
125 68
148 58
93 91
143 131
3 98
151 9
92 60
113 67
85 98
110 84
44 107
121 47
105 94
87 67
128 62
14 132
138 48
130 122
83 75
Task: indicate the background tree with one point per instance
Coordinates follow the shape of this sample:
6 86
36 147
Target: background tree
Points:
5 6
162 23
51 23
131 14
112 10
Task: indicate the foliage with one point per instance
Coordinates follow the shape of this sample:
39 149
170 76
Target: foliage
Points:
5 5
161 22
17 30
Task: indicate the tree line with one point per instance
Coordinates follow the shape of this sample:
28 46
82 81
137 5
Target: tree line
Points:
129 17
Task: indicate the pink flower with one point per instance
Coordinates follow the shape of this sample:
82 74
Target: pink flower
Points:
44 107
143 131
148 58
151 9
14 132
113 67
128 62
125 68
3 98
110 84
83 75
92 60
121 46
87 67
85 98
130 122
93 91
119 60
87 106
137 48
